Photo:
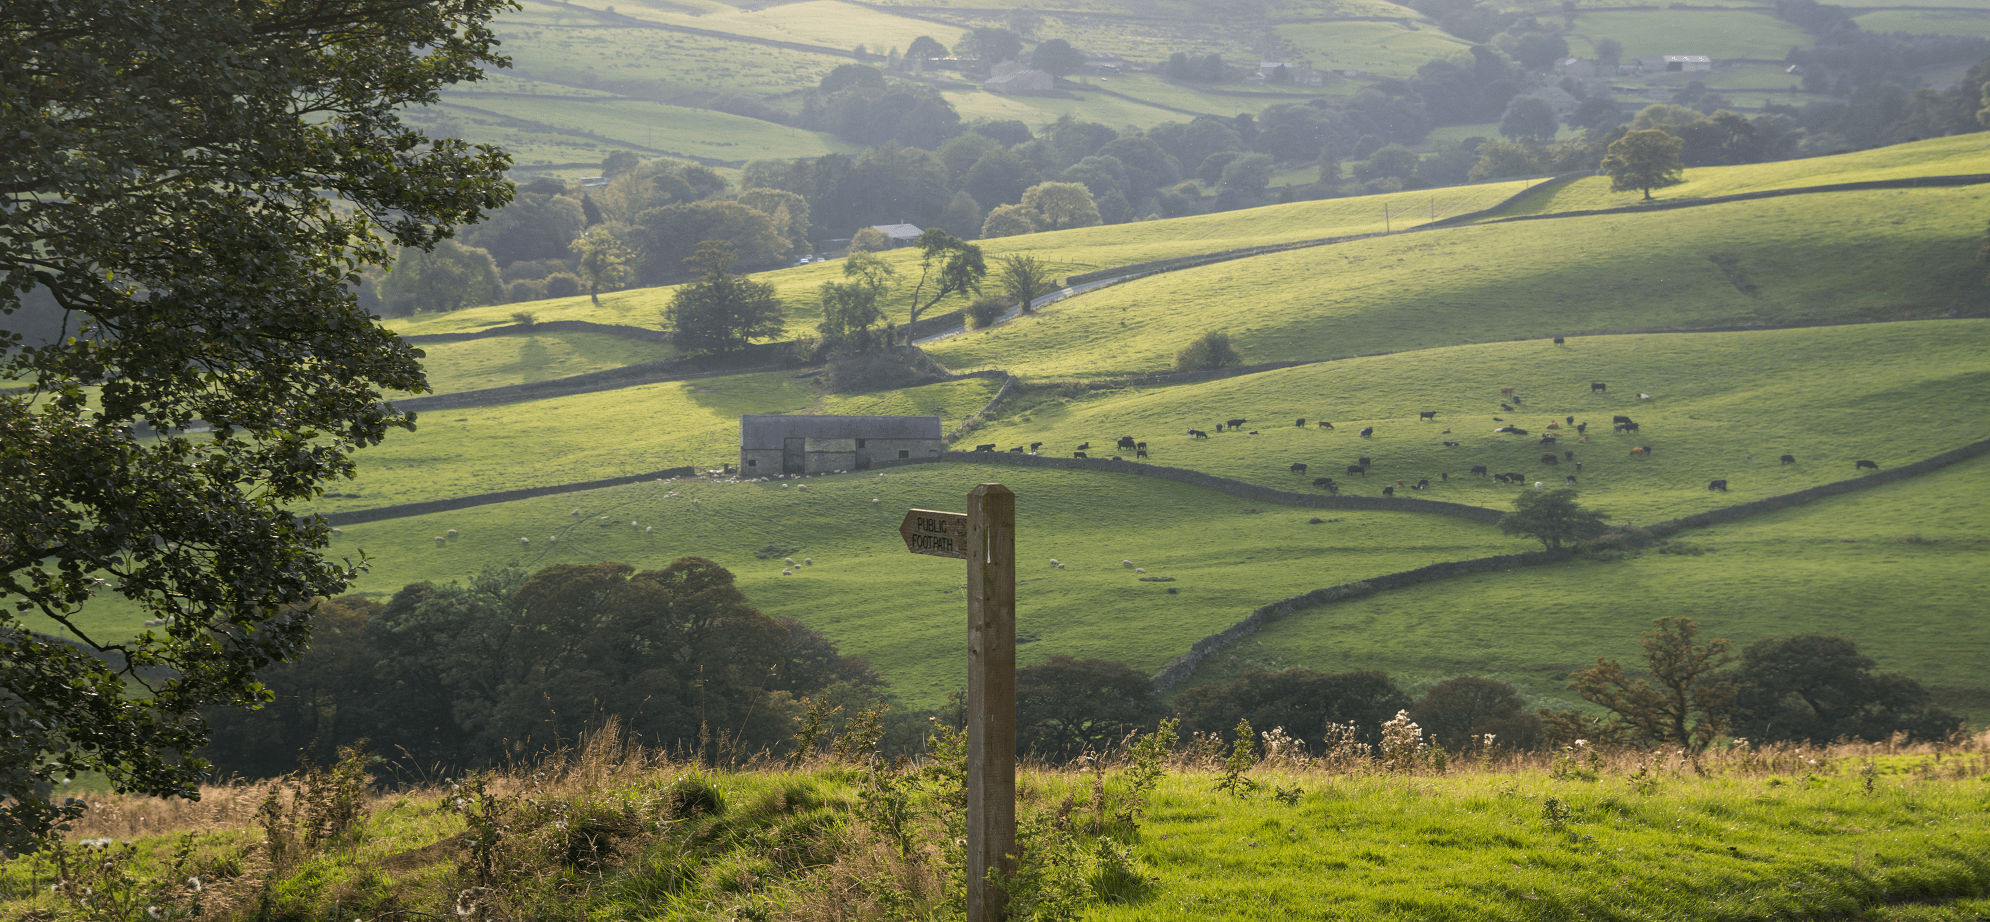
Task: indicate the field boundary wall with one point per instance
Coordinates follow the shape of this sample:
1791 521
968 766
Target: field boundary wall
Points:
361 516
544 326
1183 667
1916 182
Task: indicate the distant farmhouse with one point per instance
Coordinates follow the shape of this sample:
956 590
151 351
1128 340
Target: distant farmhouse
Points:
902 235
1012 78
1674 63
770 446
1297 73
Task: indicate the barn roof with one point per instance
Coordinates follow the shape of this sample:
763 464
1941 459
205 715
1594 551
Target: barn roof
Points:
768 432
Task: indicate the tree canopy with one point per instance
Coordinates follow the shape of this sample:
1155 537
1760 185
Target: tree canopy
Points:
950 265
721 312
171 175
1553 517
1681 700
1644 159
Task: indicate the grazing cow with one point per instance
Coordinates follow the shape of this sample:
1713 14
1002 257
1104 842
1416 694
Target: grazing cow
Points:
1140 452
1516 430
1625 427
1085 447
1219 427
1571 420
1620 419
1198 433
1451 444
1388 491
1423 484
1125 441
1357 469
1499 477
1583 440
1299 468
1647 448
1554 425
1365 462
1301 423
1864 465
1427 414
1507 391
1077 454
1551 458
1506 408
1367 431
988 447
1016 450
1581 428
1720 485
1498 419
1792 459
1516 400
1558 340
1639 452
1578 465
1326 425
1504 429
1595 386
1140 444
1034 446
1447 432
1568 454
1323 481
1516 477
1479 469
1446 475
1569 480
1547 440
1237 423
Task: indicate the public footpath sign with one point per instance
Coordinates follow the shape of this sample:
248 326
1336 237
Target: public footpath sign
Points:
985 537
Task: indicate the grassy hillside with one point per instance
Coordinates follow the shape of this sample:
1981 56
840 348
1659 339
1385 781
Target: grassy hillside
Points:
1898 569
1809 258
1723 405
502 361
1959 155
1225 555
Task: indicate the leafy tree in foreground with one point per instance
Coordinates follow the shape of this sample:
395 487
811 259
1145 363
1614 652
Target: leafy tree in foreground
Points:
1211 350
1818 688
1644 159
170 171
1553 517
721 312
1681 701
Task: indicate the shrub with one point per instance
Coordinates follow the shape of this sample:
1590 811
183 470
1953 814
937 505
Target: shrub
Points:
562 285
982 312
525 290
1211 350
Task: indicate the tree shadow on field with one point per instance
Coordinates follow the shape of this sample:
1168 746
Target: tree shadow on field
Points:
534 360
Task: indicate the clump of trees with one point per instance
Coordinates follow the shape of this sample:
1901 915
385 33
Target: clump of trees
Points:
721 312
510 663
1210 350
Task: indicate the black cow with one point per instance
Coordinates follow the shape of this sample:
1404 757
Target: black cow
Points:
1516 430
1558 340
1140 444
1551 458
1077 454
1516 476
1085 447
1219 427
1624 427
1547 440
1427 414
1578 465
1034 446
1720 485
1581 428
1620 419
1357 469
1323 481
1479 469
1792 459
1125 441
1254 432
1198 433
1570 420
988 447
1568 455
1423 484
1367 431
1595 386
1450 444
1863 465
1516 400
1235 423
1301 423
1569 480
1299 468
1365 462
1503 478
1388 491
1506 408
1140 452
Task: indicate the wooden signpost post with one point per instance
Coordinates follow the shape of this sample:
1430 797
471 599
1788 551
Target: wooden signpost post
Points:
986 538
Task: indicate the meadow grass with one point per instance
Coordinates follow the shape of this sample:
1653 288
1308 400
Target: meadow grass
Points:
598 831
1958 21
1752 32
1958 155
501 361
1814 258
1897 569
904 613
685 132
611 433
1724 406
1388 49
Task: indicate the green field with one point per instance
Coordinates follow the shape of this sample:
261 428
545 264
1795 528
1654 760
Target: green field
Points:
1388 49
1752 32
904 613
502 361
1808 258
1964 20
1898 569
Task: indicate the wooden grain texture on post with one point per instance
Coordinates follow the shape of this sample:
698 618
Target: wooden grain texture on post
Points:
991 697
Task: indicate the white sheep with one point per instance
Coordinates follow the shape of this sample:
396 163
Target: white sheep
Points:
1537 485
1139 569
338 531
451 533
553 539
802 487
525 540
604 518
633 525
1126 563
441 541
790 561
808 561
575 512
1054 563
787 572
648 529
874 499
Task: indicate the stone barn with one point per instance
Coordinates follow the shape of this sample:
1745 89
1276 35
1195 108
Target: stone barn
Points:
770 446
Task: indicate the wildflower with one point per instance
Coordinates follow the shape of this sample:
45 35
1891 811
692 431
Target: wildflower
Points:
1581 743
194 882
152 911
